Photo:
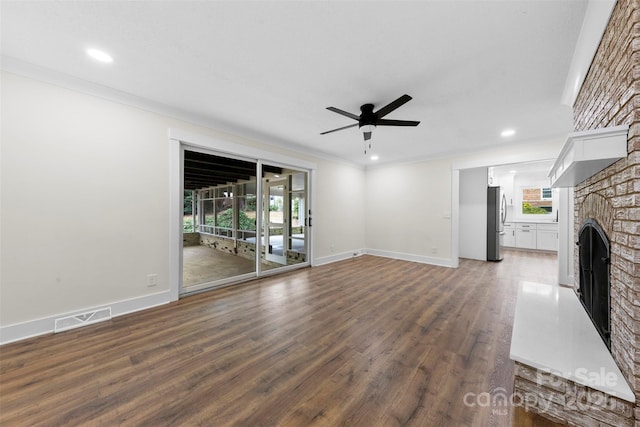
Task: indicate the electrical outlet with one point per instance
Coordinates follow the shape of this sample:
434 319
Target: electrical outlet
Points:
152 280
434 250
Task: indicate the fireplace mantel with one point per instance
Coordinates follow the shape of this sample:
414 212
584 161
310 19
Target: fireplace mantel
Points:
586 153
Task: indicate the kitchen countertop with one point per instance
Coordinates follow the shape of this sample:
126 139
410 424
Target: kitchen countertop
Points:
553 332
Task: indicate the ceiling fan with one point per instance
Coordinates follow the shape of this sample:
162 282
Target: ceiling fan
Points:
368 119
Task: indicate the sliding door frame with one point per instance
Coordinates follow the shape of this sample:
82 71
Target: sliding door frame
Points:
310 230
180 141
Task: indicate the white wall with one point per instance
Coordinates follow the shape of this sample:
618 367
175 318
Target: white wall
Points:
339 212
85 201
473 214
408 211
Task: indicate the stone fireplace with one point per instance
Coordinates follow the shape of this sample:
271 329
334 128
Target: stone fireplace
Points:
611 199
607 203
591 328
610 96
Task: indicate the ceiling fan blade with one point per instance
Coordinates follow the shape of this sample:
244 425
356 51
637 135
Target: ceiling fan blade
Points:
367 135
335 130
392 106
387 122
344 113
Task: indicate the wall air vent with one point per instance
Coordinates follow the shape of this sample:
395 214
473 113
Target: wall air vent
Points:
586 153
82 319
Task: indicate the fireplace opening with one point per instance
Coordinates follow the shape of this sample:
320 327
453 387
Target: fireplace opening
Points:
594 291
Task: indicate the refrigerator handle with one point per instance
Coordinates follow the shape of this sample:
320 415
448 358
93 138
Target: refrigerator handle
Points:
503 209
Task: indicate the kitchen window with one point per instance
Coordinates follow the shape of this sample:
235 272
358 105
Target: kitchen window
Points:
537 201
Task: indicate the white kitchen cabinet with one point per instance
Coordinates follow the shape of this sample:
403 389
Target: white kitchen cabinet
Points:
526 236
509 235
547 237
531 235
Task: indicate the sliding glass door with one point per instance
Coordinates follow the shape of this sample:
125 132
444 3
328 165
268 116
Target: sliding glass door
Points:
284 225
219 227
241 219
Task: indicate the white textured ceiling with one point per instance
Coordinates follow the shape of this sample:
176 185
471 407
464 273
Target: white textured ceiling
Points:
269 69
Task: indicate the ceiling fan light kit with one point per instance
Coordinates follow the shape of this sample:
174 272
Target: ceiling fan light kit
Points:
367 128
368 120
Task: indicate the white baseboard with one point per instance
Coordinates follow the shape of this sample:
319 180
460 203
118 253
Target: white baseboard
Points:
32 328
338 257
442 262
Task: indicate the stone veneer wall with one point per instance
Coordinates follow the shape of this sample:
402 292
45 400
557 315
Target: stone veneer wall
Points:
190 239
245 249
566 402
610 96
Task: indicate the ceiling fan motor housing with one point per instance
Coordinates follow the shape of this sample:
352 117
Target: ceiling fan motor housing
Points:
368 117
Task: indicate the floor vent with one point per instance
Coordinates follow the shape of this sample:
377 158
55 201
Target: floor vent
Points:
82 319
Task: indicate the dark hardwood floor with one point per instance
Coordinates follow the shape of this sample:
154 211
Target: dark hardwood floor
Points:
364 342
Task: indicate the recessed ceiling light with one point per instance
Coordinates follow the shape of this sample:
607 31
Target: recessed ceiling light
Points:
374 157
513 171
508 132
99 55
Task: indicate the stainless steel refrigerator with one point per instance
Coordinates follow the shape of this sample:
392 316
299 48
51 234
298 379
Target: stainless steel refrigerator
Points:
496 216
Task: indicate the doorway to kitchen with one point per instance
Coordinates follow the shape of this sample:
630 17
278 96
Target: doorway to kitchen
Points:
558 233
527 217
531 205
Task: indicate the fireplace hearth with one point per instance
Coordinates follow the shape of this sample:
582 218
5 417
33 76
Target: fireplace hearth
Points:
594 290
